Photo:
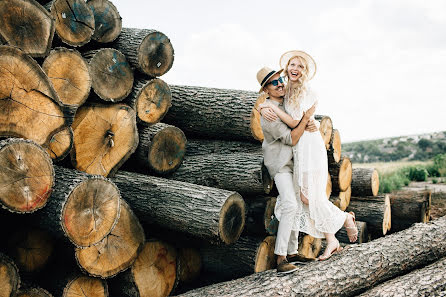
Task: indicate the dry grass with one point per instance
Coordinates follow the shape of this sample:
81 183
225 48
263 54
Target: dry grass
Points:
388 167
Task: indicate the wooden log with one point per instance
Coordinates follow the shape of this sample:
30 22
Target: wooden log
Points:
329 185
107 21
247 256
342 200
30 107
74 21
212 214
211 113
426 281
33 292
309 247
160 151
365 182
369 263
26 25
117 251
111 74
240 172
196 147
70 76
341 175
60 144
154 273
189 263
334 148
151 99
149 51
326 128
84 208
409 207
104 138
9 277
86 286
375 211
254 119
258 215
26 176
363 234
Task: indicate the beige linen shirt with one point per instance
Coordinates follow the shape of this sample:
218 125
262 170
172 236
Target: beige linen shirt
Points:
277 144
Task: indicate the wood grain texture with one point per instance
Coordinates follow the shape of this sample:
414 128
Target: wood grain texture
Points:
107 21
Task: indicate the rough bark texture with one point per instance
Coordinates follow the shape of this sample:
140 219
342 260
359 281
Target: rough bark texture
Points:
26 175
189 263
107 21
9 277
74 21
375 211
365 182
341 175
342 200
151 99
408 208
86 286
363 234
240 172
26 25
29 105
348 273
104 138
111 75
196 147
211 113
60 144
82 207
426 281
212 214
147 50
33 292
334 147
326 128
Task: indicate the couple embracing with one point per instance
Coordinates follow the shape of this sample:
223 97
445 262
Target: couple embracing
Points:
295 156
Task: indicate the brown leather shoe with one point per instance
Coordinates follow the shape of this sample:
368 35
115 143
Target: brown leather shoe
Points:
285 267
298 259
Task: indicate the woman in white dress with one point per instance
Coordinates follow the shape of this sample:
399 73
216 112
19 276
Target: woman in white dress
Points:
316 215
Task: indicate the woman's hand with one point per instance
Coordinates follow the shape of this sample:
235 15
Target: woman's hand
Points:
268 114
310 111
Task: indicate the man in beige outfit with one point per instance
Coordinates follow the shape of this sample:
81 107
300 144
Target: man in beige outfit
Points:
278 159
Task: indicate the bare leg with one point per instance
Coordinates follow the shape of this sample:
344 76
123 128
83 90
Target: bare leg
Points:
350 226
331 248
303 198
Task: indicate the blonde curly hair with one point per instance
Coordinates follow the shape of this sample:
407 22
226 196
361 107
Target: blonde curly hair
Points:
296 91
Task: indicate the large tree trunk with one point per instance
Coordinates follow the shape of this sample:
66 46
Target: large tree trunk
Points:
74 21
86 286
363 234
117 251
9 277
111 74
365 182
29 105
107 21
375 211
212 214
147 50
334 147
408 208
326 128
426 281
154 273
104 138
240 172
350 272
211 113
342 200
82 207
196 147
341 175
26 25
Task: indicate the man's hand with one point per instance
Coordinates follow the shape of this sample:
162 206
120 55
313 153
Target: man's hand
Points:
268 114
311 126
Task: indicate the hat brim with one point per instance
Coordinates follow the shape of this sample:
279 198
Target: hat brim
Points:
310 61
267 79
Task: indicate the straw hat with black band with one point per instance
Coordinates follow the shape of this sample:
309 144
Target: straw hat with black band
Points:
264 74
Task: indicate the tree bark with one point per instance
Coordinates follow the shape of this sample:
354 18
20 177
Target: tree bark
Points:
151 99
104 138
197 147
111 74
189 263
326 128
9 277
211 113
341 175
426 281
82 207
60 144
74 21
363 234
107 21
86 286
240 172
26 25
33 292
212 214
147 50
342 200
408 208
26 175
369 263
30 107
117 251
375 211
365 182
334 147
154 273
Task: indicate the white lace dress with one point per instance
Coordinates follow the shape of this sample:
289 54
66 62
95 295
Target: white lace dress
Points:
310 176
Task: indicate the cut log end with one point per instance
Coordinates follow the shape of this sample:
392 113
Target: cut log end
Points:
329 185
9 277
91 211
254 123
387 221
27 178
232 219
265 258
375 182
335 147
365 182
60 144
108 22
326 129
153 101
309 247
86 286
155 54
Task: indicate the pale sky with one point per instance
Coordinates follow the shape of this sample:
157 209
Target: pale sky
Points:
381 63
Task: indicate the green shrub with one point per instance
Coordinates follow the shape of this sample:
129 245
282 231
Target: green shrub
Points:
418 173
434 180
393 181
440 164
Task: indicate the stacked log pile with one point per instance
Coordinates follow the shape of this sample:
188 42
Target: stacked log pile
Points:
124 184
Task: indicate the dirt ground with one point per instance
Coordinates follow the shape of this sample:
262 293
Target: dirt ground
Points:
438 207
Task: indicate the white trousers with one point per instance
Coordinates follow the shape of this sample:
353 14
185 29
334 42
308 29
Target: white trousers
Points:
287 240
